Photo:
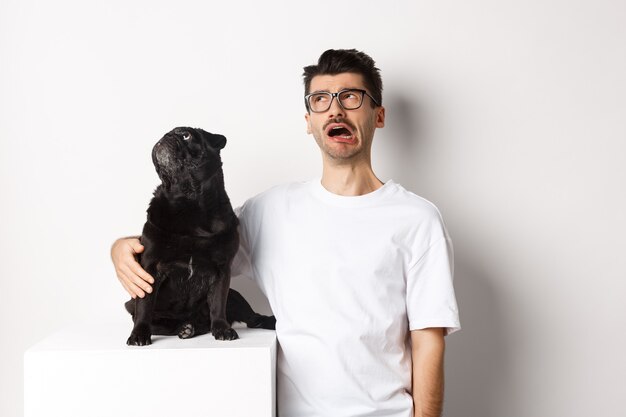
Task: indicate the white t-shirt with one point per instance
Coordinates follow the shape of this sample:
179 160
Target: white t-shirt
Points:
347 277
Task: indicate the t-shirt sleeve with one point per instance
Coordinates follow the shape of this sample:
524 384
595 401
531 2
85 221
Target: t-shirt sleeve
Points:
430 298
241 265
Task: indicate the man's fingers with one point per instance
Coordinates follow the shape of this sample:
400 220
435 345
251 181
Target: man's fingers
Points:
134 287
129 272
136 280
136 246
123 279
137 269
126 287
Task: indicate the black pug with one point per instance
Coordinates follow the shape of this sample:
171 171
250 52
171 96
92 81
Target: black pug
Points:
190 240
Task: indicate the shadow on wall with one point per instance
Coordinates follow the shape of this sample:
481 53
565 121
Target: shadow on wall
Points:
402 128
479 366
478 359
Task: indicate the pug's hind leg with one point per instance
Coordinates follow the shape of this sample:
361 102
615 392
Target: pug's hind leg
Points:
189 330
198 325
186 331
238 309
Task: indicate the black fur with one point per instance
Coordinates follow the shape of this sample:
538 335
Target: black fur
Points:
190 240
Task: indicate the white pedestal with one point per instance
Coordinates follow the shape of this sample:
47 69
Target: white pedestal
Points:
92 373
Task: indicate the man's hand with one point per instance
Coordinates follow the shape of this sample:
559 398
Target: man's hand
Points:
427 352
135 280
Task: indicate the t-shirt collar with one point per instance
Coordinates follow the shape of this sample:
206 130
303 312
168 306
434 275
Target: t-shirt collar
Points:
349 201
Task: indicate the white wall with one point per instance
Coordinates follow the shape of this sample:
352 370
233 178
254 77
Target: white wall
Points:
510 116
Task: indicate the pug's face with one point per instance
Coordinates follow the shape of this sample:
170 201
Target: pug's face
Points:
187 156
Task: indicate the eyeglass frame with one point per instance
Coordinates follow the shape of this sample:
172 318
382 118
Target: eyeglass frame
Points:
333 95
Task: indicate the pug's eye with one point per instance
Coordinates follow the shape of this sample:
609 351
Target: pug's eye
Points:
186 136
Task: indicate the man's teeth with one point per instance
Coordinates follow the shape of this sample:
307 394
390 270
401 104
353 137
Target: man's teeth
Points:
346 135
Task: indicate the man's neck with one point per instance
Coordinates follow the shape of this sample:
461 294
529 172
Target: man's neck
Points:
350 179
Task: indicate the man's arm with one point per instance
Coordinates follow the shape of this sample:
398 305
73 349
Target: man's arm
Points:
427 352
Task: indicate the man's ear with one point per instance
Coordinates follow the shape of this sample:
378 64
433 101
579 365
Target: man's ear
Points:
308 123
380 117
215 140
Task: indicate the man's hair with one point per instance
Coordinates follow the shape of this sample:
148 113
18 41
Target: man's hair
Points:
338 61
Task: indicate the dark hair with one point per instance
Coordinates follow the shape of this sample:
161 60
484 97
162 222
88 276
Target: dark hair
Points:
337 61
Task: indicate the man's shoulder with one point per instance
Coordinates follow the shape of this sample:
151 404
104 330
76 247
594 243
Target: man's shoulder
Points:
413 202
273 194
278 191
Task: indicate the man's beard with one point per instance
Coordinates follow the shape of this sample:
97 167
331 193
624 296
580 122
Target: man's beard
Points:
337 151
342 152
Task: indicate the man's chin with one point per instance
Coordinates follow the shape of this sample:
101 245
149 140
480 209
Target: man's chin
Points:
342 153
337 150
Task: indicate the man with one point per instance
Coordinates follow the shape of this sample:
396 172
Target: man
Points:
357 272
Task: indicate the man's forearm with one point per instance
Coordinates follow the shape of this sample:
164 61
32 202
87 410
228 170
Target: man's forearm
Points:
428 384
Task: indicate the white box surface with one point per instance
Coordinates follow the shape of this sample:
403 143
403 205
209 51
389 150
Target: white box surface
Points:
92 373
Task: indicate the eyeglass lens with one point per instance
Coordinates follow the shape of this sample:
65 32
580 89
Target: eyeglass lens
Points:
349 99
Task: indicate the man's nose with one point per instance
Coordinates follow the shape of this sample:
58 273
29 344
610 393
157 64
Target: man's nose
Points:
335 109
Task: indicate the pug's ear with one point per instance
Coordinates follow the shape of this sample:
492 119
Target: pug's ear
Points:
218 141
215 140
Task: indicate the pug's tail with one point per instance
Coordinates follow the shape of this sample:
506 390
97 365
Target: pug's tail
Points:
238 309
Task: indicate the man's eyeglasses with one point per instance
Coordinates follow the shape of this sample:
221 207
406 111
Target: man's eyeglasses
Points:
349 99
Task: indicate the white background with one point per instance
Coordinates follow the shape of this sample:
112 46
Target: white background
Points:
509 116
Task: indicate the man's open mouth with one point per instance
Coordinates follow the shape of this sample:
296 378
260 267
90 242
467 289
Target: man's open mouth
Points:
339 131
